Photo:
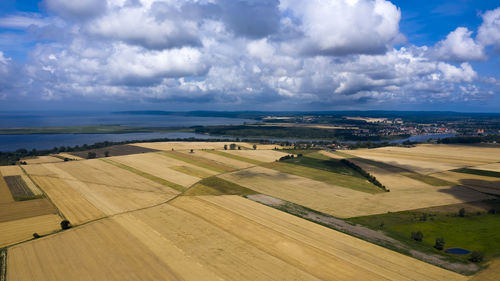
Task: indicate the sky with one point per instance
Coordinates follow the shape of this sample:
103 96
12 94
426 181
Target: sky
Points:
268 55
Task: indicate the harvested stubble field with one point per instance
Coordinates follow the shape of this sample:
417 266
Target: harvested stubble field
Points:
227 237
42 160
116 150
494 167
198 161
90 189
406 193
163 167
228 158
25 209
23 229
484 184
426 159
17 171
5 195
169 146
259 155
18 188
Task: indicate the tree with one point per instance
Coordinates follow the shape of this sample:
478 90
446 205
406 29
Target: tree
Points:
65 224
91 155
254 147
232 146
461 213
36 235
225 147
106 153
417 236
439 243
191 151
239 147
476 256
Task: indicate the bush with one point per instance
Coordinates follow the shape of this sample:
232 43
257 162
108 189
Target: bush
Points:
439 243
106 153
91 155
232 146
492 211
65 224
461 213
476 256
36 235
417 236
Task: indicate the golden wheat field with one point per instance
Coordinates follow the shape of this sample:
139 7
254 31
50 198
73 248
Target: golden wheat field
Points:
259 155
90 189
160 166
427 159
211 155
494 167
227 238
484 184
42 160
23 229
406 193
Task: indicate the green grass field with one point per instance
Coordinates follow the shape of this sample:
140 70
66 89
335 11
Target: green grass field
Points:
474 232
478 172
330 171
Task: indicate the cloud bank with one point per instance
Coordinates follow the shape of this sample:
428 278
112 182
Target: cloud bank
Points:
321 53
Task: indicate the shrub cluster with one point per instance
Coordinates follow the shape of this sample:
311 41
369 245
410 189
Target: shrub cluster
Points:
417 236
364 173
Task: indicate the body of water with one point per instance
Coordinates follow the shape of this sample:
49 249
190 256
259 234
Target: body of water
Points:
61 119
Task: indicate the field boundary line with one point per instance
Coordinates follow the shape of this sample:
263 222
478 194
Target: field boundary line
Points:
59 212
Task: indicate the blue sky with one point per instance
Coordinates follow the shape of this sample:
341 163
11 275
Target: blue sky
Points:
250 55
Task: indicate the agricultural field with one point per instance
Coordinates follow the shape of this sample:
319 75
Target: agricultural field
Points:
179 214
116 150
42 160
22 229
406 193
90 189
228 237
427 159
494 167
476 229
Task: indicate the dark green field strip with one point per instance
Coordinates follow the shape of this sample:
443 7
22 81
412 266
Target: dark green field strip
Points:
146 175
321 162
195 172
478 172
198 161
218 186
476 231
356 183
407 173
19 190
236 157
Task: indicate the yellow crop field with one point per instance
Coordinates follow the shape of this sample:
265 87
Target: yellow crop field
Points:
494 167
159 166
168 146
259 155
426 159
42 160
227 238
485 184
71 203
23 229
225 160
69 156
491 273
11 171
406 194
108 188
5 195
